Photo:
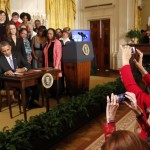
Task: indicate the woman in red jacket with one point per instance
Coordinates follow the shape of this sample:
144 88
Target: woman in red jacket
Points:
111 109
143 99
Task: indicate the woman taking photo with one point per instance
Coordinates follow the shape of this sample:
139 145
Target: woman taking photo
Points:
53 52
15 41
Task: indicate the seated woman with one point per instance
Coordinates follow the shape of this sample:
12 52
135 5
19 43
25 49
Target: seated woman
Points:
131 86
123 140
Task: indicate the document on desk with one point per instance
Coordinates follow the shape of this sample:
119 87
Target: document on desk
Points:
37 70
17 73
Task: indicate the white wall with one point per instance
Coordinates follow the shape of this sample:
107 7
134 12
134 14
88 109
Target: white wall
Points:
36 8
121 18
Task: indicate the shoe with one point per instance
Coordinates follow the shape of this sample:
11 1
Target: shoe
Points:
35 105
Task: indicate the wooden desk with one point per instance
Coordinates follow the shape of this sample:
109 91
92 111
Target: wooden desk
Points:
28 79
145 48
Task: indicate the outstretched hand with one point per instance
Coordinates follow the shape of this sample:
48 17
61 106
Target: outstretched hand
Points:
111 108
126 54
133 105
138 63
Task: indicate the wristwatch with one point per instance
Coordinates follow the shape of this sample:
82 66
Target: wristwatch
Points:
25 69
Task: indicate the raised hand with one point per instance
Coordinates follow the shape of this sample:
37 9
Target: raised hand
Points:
126 54
111 108
133 105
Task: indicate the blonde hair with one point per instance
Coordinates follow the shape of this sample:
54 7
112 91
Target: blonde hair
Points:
67 30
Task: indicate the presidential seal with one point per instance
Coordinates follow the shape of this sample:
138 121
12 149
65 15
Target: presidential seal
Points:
47 80
86 49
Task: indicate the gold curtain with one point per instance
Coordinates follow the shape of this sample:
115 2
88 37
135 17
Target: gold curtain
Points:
138 16
60 13
5 4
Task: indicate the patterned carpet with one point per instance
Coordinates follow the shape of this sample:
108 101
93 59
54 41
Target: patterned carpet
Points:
125 123
5 118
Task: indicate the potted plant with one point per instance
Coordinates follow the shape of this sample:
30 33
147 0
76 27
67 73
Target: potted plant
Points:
134 35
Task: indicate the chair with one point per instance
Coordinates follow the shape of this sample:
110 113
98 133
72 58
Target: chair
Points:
3 96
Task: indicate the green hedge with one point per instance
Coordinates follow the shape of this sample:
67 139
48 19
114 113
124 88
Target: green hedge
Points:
51 126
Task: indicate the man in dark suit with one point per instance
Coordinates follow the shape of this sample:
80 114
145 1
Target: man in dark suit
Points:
11 62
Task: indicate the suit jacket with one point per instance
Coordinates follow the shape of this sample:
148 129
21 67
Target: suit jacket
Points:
19 62
18 47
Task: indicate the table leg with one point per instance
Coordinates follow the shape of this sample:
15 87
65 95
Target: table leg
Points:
42 94
47 99
23 97
57 91
0 101
9 101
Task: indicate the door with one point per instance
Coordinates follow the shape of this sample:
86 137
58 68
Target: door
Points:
100 36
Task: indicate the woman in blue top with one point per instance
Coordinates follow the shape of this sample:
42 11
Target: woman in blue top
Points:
23 33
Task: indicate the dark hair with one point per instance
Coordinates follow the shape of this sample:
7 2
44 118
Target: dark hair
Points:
22 29
1 12
125 140
22 15
36 21
59 29
42 28
54 31
3 43
15 14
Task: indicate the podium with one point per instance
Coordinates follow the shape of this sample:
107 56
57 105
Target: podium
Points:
77 57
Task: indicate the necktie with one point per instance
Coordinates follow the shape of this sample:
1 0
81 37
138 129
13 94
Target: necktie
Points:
11 63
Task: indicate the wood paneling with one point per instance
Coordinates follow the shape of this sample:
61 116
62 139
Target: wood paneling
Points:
100 36
77 77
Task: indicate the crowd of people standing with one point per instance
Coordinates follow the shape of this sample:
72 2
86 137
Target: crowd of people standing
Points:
37 45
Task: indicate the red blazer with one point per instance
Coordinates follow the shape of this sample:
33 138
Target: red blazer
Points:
146 80
109 128
57 54
143 99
